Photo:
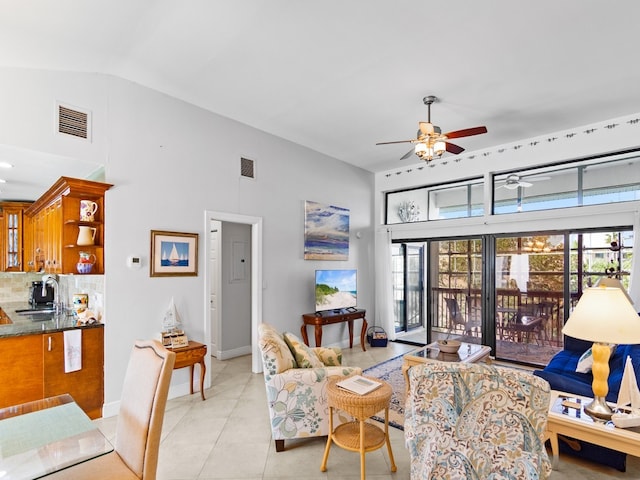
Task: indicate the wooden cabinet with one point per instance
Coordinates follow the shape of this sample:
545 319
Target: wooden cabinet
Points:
21 369
33 368
85 385
14 238
56 224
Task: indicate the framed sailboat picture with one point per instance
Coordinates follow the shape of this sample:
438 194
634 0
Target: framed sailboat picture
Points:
173 254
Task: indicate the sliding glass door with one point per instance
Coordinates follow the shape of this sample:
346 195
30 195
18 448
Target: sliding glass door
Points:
456 289
408 271
510 292
529 297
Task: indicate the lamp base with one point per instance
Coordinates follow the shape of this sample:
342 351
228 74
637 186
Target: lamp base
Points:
598 410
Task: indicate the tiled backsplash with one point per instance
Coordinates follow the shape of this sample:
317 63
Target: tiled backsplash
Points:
14 287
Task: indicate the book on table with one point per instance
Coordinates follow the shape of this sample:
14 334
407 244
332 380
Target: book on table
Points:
359 384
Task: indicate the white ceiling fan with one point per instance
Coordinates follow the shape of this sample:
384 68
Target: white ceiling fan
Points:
514 181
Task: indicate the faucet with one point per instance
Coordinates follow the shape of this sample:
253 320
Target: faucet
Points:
51 279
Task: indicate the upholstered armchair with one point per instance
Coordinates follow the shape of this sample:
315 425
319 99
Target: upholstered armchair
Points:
474 421
296 381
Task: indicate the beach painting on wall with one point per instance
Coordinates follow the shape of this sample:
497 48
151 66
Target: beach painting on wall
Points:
326 232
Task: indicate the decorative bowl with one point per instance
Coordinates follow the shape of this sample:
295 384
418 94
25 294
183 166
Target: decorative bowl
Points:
449 346
84 267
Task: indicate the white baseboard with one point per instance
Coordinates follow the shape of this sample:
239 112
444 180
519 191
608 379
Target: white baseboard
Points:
111 409
234 352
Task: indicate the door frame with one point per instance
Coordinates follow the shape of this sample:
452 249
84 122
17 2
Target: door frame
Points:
256 279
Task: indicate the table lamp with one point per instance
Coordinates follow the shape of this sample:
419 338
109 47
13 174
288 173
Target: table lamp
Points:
613 282
604 316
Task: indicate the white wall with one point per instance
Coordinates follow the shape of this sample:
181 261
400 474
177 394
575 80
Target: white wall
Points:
169 162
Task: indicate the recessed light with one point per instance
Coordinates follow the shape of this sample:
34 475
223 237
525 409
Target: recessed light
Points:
5 165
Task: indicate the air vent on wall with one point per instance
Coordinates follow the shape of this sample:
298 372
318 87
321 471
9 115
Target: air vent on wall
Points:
247 168
72 121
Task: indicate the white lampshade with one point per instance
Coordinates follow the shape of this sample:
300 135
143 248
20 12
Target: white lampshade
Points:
439 147
420 149
613 283
604 315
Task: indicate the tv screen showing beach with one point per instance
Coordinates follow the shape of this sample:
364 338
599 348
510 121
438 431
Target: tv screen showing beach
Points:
335 289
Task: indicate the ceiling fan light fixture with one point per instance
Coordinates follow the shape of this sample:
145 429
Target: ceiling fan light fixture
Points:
439 147
421 150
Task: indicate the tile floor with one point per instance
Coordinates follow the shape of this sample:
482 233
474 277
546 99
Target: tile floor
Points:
228 435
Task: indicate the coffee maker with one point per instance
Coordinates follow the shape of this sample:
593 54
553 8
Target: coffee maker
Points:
36 297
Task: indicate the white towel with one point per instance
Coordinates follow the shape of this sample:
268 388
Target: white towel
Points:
72 350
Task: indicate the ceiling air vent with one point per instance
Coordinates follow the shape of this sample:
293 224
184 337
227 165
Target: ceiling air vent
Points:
72 121
247 168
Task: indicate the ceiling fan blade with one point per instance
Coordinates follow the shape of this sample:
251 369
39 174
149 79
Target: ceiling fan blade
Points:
398 141
510 186
453 148
525 184
467 132
407 155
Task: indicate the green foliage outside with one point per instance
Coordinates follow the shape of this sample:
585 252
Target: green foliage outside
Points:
460 261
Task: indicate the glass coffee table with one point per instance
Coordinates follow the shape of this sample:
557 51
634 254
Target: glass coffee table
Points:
468 353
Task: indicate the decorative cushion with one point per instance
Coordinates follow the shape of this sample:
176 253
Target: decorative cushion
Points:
585 362
305 357
330 356
276 354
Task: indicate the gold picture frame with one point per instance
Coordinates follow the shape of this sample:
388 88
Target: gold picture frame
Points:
173 254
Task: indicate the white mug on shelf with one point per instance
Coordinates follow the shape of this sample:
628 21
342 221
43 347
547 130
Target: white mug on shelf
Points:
86 235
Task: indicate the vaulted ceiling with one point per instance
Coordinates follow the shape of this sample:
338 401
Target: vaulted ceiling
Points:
340 75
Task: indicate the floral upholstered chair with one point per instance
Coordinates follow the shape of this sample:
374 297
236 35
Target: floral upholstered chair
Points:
296 380
474 421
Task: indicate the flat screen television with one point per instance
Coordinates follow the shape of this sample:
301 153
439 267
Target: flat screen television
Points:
336 289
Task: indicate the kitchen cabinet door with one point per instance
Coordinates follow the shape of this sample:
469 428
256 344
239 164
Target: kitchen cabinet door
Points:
86 385
12 240
20 369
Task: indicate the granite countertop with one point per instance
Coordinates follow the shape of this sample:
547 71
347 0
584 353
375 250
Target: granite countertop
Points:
32 324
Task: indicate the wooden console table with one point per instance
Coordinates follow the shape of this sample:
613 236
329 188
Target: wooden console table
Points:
320 319
190 355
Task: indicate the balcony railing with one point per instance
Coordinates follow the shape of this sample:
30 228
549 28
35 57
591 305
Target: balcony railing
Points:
511 306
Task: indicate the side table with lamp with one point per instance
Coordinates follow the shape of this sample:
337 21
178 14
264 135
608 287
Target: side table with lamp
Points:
605 316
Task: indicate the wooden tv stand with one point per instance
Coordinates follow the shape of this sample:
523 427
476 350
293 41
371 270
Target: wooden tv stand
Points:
320 319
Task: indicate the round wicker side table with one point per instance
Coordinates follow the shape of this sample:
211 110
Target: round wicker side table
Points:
359 435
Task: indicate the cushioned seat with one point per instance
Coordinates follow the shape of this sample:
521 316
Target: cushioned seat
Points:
474 421
296 378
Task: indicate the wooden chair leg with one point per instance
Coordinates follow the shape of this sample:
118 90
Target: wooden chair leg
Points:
279 445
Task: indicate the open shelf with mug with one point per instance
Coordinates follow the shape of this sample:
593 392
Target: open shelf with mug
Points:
68 223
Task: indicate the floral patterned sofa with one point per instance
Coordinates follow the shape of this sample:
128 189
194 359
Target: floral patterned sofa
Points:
474 421
296 381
